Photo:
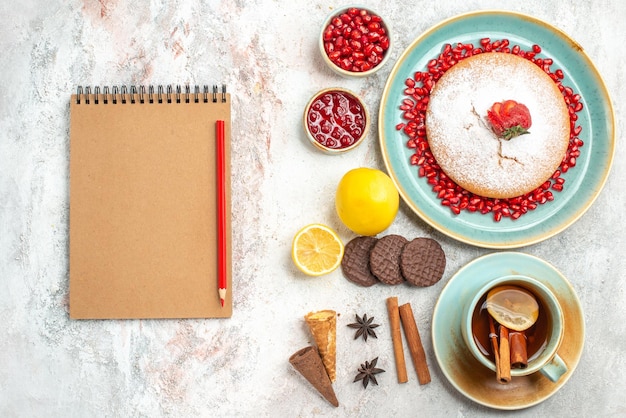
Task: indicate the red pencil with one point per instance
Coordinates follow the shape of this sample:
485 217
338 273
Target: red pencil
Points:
222 249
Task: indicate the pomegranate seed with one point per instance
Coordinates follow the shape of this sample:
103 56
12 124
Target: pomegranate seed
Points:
576 131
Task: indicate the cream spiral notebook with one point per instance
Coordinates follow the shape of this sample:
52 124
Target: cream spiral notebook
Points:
143 202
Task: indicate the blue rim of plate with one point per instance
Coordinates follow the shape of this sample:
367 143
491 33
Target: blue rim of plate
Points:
465 373
583 183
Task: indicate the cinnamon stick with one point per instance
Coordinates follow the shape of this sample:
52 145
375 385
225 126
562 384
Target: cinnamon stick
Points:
494 346
415 343
505 355
396 339
519 354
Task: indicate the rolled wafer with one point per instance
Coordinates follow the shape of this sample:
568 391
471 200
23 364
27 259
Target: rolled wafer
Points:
323 326
308 363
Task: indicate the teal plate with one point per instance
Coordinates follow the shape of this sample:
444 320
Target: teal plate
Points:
583 183
467 374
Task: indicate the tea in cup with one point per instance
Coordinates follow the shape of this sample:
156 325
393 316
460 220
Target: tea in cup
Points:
514 326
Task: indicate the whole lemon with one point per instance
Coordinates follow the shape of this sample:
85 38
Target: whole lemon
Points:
366 201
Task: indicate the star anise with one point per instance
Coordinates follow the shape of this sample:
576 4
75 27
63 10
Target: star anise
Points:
367 372
364 326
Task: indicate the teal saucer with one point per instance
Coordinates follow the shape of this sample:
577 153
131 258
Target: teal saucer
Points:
463 370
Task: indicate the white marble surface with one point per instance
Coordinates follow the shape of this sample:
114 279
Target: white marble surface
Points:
266 52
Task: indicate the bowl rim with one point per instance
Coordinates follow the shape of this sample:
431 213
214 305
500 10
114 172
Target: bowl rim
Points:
339 70
357 142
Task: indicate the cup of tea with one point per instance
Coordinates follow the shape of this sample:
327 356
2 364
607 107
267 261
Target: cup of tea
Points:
519 316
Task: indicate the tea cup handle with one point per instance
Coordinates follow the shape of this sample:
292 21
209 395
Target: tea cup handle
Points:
554 369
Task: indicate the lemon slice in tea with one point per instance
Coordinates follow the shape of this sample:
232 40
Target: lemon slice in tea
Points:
512 306
317 250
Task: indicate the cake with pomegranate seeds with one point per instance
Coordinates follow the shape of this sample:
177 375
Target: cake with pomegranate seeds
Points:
497 125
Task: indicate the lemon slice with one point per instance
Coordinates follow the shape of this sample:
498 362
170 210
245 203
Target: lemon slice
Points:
512 306
317 250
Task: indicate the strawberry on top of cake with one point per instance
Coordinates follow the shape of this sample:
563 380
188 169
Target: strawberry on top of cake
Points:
509 119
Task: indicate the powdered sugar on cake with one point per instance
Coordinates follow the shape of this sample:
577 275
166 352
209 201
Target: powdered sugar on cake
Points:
461 138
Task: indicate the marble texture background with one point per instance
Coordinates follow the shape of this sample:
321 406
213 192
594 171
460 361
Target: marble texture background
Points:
266 52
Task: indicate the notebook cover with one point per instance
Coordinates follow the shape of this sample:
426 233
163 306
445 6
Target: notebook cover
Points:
143 209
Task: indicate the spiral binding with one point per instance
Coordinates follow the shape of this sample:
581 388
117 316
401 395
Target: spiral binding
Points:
138 94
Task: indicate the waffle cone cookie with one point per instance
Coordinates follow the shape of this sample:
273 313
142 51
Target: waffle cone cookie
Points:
323 326
308 363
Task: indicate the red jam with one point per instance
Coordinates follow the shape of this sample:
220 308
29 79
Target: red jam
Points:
336 119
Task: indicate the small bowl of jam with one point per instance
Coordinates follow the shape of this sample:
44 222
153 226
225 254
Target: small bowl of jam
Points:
355 41
336 120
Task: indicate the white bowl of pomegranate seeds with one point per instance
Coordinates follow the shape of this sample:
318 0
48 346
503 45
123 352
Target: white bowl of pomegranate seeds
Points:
355 41
335 120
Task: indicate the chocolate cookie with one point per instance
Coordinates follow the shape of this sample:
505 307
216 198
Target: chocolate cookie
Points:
422 262
385 259
356 261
